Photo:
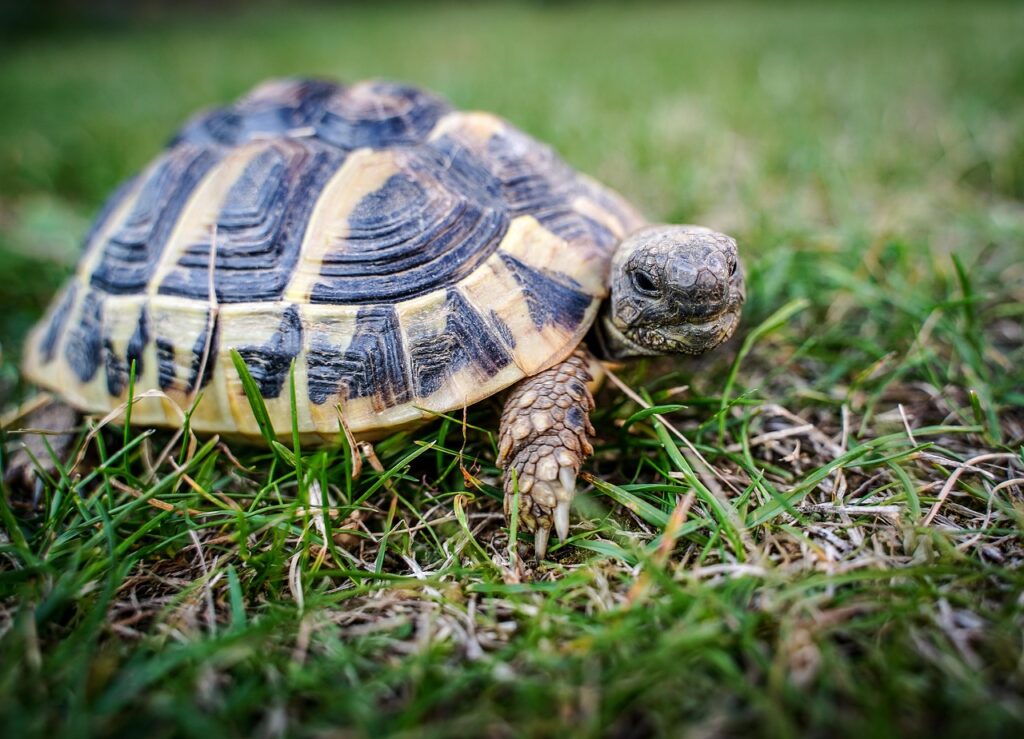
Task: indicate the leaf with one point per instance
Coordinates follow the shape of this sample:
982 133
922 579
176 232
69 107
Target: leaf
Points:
607 549
255 398
639 506
238 618
297 449
722 513
648 412
286 454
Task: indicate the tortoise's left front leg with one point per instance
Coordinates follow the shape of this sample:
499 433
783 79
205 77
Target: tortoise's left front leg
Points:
55 423
544 441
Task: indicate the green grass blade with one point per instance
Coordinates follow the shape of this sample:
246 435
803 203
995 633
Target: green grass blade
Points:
255 398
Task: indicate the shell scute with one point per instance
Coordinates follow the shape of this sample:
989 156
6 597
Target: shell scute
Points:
268 363
260 226
533 179
270 110
374 364
550 297
130 256
379 115
120 354
424 228
84 343
464 340
52 327
373 114
185 345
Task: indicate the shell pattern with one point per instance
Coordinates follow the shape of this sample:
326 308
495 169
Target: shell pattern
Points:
409 259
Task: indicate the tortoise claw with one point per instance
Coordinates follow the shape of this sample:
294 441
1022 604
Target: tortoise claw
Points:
540 541
567 476
562 519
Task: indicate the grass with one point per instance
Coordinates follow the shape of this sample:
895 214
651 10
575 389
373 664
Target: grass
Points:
846 562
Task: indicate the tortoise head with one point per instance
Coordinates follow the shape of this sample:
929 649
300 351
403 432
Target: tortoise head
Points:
674 290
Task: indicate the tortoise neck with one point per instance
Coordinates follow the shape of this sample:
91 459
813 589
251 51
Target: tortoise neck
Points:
608 342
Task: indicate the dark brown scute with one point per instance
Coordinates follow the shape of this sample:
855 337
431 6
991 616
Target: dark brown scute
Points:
203 347
376 115
260 227
372 366
272 110
385 114
268 363
426 227
118 369
550 298
536 182
131 254
84 343
466 340
48 342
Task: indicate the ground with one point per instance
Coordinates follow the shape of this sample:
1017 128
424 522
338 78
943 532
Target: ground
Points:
819 531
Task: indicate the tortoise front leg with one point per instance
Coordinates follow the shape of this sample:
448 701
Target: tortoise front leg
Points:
543 440
57 422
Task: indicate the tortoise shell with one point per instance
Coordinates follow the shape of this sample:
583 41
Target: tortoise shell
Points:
410 259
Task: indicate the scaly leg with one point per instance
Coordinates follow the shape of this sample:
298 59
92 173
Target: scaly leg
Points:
44 414
544 440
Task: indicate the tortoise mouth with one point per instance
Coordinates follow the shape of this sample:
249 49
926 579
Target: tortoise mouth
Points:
694 335
683 334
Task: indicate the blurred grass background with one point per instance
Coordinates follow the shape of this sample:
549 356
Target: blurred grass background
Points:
854 149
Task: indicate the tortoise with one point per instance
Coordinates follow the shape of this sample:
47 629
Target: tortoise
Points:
409 258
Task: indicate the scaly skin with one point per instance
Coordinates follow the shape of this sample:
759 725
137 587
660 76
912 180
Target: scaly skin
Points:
51 416
544 440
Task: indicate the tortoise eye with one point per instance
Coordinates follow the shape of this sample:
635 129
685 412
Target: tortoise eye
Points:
643 282
732 268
